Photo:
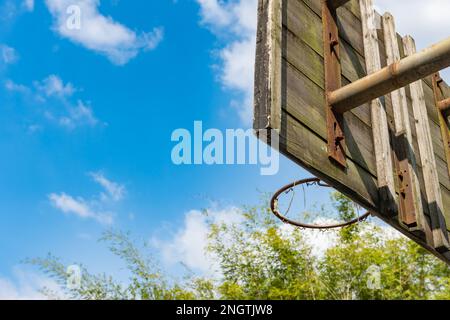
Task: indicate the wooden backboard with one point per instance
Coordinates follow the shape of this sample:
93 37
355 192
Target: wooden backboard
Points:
290 98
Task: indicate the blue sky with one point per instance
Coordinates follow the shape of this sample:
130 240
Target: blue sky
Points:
87 116
86 122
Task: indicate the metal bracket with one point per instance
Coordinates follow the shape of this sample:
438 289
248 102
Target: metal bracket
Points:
407 206
335 132
443 107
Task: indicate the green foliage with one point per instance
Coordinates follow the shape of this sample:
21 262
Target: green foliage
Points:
260 259
257 262
347 211
146 281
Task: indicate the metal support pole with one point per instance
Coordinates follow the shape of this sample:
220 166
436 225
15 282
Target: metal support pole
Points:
390 78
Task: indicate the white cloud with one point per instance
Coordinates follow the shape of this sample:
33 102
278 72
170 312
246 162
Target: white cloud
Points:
188 244
235 23
215 13
80 114
53 86
14 87
67 204
100 33
114 190
25 285
79 207
237 71
8 55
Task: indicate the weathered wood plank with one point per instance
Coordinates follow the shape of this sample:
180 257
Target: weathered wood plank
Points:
410 202
349 26
347 15
304 28
431 179
380 128
274 47
262 104
336 3
268 66
351 30
308 63
398 97
439 95
305 101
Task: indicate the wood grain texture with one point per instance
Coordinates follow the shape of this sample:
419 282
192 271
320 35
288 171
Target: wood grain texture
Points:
398 97
429 168
380 129
267 98
439 90
405 158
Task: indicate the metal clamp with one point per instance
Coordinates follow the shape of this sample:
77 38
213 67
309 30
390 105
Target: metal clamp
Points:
407 209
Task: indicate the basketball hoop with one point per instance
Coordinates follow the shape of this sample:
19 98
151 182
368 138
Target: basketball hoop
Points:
308 182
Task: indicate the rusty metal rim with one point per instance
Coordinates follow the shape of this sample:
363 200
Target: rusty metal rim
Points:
274 209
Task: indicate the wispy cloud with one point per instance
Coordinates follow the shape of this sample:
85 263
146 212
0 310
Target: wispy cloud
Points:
79 207
8 55
114 190
79 114
14 87
54 86
234 22
98 208
52 90
98 32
